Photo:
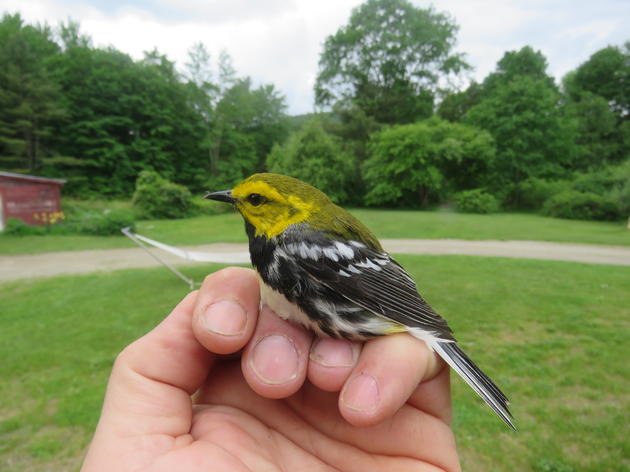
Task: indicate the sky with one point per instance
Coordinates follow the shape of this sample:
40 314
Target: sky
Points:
279 41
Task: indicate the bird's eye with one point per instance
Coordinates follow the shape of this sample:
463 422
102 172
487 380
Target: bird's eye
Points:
255 199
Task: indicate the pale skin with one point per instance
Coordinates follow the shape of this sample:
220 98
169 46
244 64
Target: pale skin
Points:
181 398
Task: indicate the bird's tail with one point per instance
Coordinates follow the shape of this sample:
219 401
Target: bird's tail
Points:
473 375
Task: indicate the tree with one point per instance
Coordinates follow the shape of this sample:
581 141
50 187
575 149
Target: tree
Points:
219 125
596 137
598 97
388 61
353 127
516 64
513 65
607 74
455 105
269 123
316 157
98 118
200 68
203 94
30 101
246 126
420 163
241 124
520 107
70 36
125 116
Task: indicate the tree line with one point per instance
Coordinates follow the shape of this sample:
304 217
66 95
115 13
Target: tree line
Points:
391 129
399 134
98 118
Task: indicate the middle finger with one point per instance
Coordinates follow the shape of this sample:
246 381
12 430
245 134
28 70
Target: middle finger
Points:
275 360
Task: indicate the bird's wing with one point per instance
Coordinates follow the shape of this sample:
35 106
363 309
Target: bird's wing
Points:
366 276
371 279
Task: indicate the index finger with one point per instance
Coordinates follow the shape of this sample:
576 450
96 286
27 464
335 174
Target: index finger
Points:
226 311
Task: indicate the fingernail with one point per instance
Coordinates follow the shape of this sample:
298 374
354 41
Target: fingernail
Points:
332 353
275 360
225 317
361 393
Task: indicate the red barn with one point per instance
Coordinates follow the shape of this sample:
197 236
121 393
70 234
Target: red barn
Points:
34 200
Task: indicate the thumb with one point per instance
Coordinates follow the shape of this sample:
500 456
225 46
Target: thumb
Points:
150 387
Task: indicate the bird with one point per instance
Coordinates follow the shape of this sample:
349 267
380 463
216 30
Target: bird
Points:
320 267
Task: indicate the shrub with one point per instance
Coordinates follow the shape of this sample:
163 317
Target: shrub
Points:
599 182
318 158
156 197
16 227
92 222
576 205
418 164
476 201
101 223
621 196
532 193
619 190
95 217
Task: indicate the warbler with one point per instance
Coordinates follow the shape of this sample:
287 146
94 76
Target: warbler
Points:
321 267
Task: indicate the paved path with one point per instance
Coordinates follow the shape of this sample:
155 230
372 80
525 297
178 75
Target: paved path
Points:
82 262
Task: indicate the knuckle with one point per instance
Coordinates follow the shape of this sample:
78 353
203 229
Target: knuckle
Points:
226 273
124 357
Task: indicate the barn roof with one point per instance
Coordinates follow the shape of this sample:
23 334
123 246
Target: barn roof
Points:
32 178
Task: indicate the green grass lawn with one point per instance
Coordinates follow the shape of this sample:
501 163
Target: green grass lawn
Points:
385 223
553 335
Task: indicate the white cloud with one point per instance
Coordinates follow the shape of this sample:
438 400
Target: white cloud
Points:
221 11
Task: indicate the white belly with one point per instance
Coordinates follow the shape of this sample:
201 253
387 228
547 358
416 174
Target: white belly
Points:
284 308
291 312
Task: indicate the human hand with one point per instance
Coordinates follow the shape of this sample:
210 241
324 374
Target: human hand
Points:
174 403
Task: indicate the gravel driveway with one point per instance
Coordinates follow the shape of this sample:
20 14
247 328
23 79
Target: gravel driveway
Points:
81 262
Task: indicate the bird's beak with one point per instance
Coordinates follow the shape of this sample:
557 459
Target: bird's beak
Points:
222 196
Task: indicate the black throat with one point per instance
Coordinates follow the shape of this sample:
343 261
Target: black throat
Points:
260 249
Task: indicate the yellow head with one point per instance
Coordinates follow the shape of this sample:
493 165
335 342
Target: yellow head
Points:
272 202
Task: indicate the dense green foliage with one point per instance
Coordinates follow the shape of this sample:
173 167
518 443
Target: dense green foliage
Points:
156 197
92 222
387 61
551 141
421 162
30 98
125 116
98 118
520 109
316 157
610 185
476 201
596 134
250 122
454 106
607 74
103 223
532 139
16 227
531 193
621 196
577 205
540 139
